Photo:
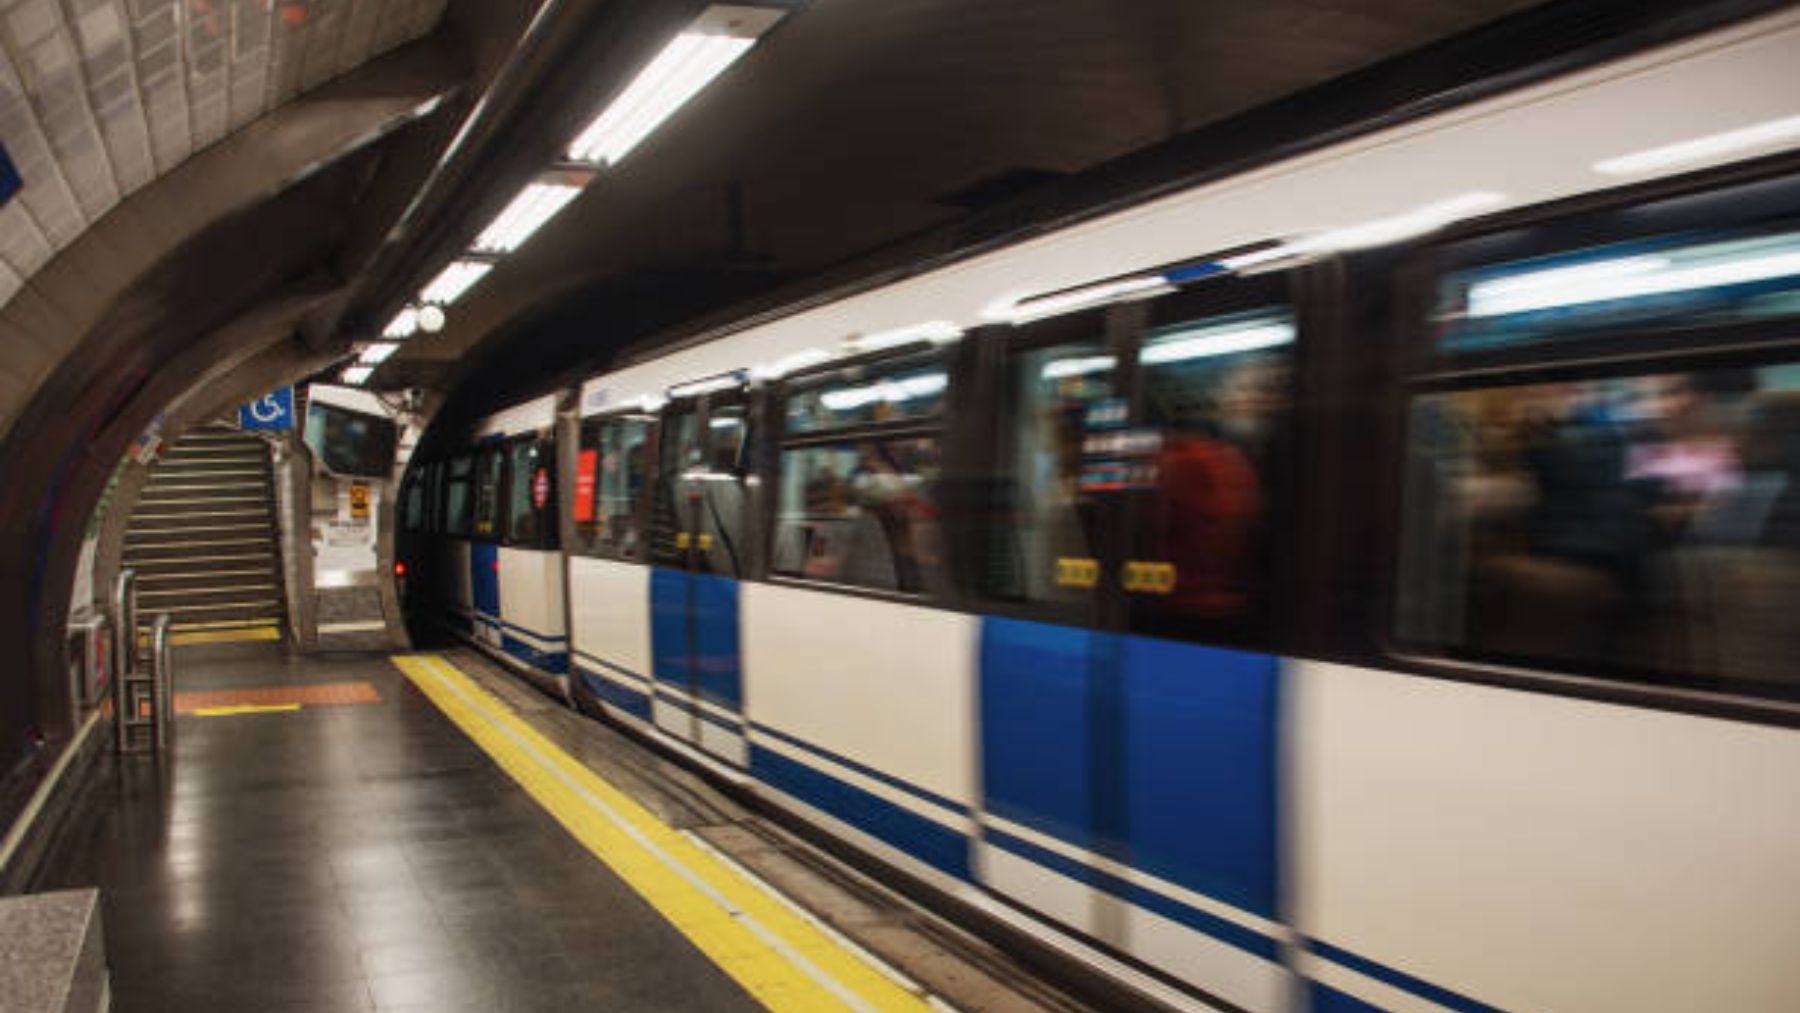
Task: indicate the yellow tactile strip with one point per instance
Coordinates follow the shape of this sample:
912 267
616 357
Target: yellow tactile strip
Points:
269 698
781 957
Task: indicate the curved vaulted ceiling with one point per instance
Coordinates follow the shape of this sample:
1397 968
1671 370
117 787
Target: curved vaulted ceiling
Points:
98 98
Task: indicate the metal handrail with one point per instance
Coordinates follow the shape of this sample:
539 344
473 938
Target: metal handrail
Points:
124 610
162 681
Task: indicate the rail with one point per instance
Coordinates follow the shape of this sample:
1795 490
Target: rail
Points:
143 686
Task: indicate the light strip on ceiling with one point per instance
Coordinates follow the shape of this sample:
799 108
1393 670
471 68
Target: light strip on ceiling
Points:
453 281
684 67
378 352
889 391
1224 339
1768 135
1062 369
404 325
355 375
535 205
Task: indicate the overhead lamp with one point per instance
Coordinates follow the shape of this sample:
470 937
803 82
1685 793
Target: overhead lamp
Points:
377 352
1221 339
708 386
1062 369
1713 265
431 318
356 375
701 52
938 332
404 325
454 280
1767 135
536 204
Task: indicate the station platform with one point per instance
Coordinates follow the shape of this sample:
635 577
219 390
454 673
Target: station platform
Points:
423 832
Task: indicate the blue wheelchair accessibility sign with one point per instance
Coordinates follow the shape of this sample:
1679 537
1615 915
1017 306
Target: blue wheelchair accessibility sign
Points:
275 411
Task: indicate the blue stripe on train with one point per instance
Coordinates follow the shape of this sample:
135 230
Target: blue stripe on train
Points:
1398 979
1204 922
484 577
630 700
1157 754
554 662
928 841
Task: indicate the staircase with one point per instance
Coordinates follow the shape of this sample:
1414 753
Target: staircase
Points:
203 538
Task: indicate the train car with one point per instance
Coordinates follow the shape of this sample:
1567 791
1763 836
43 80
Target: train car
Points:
1361 583
499 574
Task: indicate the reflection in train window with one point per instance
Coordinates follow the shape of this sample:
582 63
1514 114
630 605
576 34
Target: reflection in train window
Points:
457 498
1043 544
489 466
1679 279
610 471
862 513
852 399
1218 412
1644 525
524 519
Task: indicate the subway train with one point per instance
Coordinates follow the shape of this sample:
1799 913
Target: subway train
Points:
1367 581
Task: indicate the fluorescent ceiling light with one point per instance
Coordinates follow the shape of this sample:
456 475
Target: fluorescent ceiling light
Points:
890 391
1039 307
699 387
938 332
356 374
1221 339
685 66
453 281
724 423
1059 369
377 352
535 205
1711 266
404 325
1770 135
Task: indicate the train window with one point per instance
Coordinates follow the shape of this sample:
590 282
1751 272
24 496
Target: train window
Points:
1643 526
1684 279
852 398
413 518
670 525
861 512
716 490
1045 546
610 473
490 468
1207 469
529 494
457 496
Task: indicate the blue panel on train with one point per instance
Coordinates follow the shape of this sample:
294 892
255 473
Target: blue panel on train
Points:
1200 768
719 676
484 577
669 592
1035 726
1330 1000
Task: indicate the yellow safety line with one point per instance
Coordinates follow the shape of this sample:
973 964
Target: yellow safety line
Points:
248 708
245 635
769 949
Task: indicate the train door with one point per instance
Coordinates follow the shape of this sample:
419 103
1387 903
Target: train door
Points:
698 548
484 545
1129 687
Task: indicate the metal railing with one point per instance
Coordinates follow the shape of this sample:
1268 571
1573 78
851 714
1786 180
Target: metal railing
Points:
143 686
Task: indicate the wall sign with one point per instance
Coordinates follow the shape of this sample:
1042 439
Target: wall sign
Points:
274 411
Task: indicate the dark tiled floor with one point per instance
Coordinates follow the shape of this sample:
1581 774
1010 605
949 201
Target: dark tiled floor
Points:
365 857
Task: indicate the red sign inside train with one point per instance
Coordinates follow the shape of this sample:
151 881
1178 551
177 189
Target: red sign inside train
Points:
540 488
587 465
